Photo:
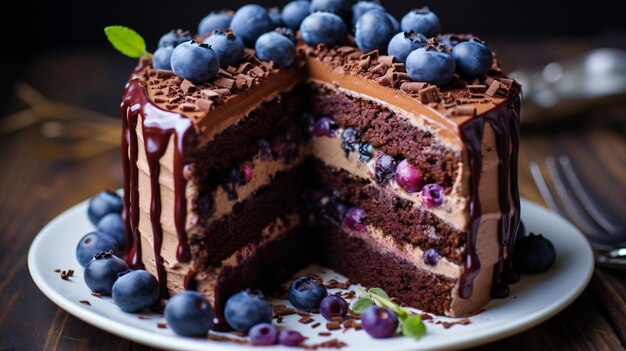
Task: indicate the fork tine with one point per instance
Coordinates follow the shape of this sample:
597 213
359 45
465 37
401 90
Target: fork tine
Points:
583 197
542 186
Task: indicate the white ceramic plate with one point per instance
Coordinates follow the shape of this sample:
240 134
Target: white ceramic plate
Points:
533 300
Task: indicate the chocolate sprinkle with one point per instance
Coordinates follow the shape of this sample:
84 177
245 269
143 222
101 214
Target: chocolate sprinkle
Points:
85 302
161 325
305 320
333 325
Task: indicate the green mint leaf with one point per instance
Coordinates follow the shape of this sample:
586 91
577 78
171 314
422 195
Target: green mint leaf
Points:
413 327
361 304
387 303
126 41
378 292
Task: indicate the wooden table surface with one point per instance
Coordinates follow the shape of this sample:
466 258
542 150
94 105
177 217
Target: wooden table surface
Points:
59 145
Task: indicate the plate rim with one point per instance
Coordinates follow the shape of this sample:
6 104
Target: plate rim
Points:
150 338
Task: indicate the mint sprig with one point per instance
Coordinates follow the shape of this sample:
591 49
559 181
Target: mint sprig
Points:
412 324
126 41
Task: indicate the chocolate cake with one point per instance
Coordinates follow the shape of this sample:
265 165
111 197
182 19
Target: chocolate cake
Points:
242 180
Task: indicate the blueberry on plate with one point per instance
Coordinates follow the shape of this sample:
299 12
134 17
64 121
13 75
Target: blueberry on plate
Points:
113 225
306 293
379 322
247 309
135 290
429 65
363 6
333 306
292 338
161 58
323 28
340 8
263 334
275 16
174 38
228 47
432 195
189 313
404 43
215 20
409 177
294 12
421 21
473 58
373 31
276 47
249 22
102 204
534 254
93 243
101 272
195 62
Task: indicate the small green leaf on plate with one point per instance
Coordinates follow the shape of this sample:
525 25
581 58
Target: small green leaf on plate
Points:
361 304
126 41
413 327
378 292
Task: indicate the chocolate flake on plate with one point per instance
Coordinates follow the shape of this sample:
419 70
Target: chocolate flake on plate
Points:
85 302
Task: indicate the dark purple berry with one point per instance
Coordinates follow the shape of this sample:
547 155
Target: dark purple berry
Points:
432 195
365 152
246 168
263 334
409 177
246 309
333 306
288 337
324 127
534 254
379 322
353 221
431 257
265 150
101 272
349 138
189 313
385 168
306 293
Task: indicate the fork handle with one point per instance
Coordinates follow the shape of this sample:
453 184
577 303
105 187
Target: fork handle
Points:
615 259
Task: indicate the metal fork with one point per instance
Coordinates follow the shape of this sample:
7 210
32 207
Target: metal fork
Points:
575 204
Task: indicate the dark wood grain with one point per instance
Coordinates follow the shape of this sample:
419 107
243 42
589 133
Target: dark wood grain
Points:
42 174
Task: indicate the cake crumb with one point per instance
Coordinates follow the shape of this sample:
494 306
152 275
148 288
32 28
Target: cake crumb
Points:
324 334
85 302
96 294
447 325
161 325
330 344
315 325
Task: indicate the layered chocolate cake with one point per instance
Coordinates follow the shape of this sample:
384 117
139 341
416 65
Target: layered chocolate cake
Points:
340 157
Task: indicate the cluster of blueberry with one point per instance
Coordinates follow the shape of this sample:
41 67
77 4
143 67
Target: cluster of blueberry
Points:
328 22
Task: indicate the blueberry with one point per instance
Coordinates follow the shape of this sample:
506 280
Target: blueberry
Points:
113 225
306 293
294 12
215 20
336 209
452 40
379 322
421 21
265 150
432 195
333 306
353 220
135 290
195 62
534 254
248 171
431 257
93 243
102 204
373 31
394 22
161 58
228 47
408 177
325 127
189 313
385 168
277 19
101 272
403 43
288 337
429 65
247 309
340 8
288 33
174 38
472 58
363 6
263 334
323 28
249 22
365 152
276 47
349 140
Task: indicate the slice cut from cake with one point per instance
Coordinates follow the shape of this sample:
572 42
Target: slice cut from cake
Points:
340 159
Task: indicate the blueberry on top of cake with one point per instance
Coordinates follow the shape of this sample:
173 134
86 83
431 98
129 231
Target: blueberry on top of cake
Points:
251 151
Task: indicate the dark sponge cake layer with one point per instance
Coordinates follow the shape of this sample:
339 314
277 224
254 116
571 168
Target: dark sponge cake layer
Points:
244 224
395 216
385 130
363 263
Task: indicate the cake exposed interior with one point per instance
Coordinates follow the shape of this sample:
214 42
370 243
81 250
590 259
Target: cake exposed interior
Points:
241 181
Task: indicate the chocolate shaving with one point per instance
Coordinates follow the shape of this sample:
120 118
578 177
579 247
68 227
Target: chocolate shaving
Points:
337 319
187 107
224 73
216 337
85 302
426 316
357 326
164 74
364 64
387 59
279 319
315 325
430 94
333 325
222 82
204 105
334 284
413 87
56 270
243 67
378 69
160 100
66 275
282 310
389 79
372 54
305 320
447 325
324 334
96 294
330 344
187 87
143 317
209 94
161 325
257 71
